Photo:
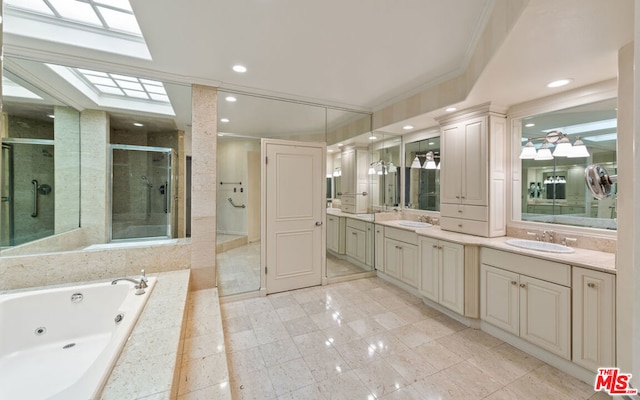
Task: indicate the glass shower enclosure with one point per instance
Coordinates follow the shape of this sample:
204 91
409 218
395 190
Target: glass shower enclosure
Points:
142 200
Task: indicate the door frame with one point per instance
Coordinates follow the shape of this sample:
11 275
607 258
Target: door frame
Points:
263 206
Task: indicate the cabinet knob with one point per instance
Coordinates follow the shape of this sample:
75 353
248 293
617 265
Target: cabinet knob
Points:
459 211
514 282
434 246
457 197
459 225
353 233
591 285
522 285
439 247
377 231
462 197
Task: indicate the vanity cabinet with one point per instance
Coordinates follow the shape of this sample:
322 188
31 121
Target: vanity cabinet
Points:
358 241
401 255
336 234
527 297
473 174
355 180
593 319
442 273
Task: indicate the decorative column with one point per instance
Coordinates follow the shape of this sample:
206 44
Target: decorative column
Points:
203 187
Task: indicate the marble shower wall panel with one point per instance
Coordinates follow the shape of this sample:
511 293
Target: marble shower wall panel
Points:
67 169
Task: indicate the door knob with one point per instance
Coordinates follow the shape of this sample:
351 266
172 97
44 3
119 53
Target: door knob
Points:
318 223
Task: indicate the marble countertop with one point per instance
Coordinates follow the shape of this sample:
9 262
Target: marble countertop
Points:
596 260
361 217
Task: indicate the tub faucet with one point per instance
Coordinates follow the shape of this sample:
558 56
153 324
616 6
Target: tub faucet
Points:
140 284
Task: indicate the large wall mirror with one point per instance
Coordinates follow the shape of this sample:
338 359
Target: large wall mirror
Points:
552 187
422 172
385 171
115 143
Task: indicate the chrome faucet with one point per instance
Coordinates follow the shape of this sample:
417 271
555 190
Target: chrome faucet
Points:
425 218
548 235
536 235
140 284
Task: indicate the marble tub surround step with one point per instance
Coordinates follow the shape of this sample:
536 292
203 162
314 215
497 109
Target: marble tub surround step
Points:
148 364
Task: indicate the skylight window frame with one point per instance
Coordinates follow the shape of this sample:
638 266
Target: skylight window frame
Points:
151 97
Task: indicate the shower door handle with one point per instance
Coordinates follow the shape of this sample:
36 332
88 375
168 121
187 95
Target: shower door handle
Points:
35 198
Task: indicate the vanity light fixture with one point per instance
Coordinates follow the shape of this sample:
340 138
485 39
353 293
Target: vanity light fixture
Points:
416 163
372 171
230 99
563 147
337 172
382 167
372 138
339 145
240 68
431 163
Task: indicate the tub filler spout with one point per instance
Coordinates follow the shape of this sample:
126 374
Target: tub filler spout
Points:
140 283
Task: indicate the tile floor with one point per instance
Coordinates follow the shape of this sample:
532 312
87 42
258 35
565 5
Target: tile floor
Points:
366 339
239 268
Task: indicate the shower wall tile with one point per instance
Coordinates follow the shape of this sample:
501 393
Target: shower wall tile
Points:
94 127
66 185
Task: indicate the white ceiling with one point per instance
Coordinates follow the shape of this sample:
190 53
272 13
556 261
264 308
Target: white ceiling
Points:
362 54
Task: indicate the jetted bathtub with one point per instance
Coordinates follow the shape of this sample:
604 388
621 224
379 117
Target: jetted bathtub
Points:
62 343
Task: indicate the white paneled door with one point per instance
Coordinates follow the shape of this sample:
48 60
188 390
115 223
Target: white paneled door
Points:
294 234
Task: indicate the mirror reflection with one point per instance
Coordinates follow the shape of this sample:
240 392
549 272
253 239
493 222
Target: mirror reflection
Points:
128 140
422 174
552 187
385 172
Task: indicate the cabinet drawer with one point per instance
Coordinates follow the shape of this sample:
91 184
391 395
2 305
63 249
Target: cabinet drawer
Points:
542 269
348 200
348 208
401 235
477 213
357 224
471 227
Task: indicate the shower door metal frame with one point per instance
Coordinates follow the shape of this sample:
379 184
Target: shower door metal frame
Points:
168 193
9 198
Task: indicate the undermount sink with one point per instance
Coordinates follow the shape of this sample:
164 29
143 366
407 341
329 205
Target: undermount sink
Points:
539 246
414 224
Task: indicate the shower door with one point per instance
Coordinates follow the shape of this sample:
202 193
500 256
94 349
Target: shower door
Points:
142 183
28 198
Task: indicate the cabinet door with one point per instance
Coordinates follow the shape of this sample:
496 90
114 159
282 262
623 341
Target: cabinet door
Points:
379 248
333 233
452 156
451 289
593 319
475 161
545 315
348 181
409 264
392 257
429 264
356 240
499 298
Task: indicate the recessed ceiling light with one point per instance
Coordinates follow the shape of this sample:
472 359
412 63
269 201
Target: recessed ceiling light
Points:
558 83
51 116
529 125
340 145
240 68
407 127
220 134
329 150
225 120
450 109
137 124
372 138
431 143
230 99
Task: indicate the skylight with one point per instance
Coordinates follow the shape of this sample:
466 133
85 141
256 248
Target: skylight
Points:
103 25
586 127
123 85
109 14
12 89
